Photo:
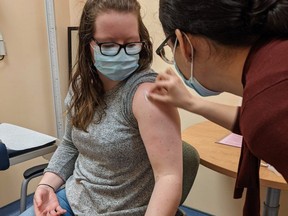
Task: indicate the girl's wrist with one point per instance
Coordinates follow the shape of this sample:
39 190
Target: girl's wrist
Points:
47 185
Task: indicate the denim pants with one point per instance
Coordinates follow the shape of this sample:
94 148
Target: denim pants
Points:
61 195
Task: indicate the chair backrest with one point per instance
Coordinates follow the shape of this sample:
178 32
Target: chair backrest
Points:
191 161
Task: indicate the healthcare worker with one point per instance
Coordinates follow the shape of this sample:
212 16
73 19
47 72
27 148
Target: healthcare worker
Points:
239 47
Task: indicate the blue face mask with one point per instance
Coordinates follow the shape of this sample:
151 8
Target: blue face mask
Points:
192 82
117 67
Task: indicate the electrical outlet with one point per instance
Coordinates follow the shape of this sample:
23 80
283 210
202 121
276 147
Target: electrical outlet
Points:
2 47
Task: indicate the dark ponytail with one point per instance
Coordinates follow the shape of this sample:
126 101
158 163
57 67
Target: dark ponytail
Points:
272 15
229 22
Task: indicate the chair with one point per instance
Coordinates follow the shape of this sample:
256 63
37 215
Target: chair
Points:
191 161
4 157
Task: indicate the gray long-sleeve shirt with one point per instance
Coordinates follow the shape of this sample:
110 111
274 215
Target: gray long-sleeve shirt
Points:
107 170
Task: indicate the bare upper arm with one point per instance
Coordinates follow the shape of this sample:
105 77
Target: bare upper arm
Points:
159 126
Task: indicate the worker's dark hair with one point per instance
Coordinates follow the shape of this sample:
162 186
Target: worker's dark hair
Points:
229 22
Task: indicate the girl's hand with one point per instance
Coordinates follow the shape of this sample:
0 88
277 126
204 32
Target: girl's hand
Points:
46 202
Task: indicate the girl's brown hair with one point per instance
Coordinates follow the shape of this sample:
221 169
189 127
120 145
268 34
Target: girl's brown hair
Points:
88 91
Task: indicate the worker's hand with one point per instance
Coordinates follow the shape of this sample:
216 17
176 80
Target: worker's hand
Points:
169 88
46 202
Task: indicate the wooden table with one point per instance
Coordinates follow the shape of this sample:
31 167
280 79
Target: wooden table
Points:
224 159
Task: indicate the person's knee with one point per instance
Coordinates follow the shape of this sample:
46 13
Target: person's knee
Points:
63 202
28 212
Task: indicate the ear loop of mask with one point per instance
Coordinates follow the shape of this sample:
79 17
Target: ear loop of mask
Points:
192 55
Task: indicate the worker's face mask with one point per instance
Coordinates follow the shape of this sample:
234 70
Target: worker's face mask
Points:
192 82
117 67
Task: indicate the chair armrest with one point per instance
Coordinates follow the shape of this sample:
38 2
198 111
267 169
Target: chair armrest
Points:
34 170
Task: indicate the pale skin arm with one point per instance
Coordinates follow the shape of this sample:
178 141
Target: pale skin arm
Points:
159 125
45 199
170 89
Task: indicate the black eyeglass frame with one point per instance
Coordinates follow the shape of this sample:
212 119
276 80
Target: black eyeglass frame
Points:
120 46
160 49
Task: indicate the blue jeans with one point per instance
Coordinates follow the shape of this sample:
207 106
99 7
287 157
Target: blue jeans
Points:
61 195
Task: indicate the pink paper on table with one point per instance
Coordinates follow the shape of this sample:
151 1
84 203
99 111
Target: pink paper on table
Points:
232 139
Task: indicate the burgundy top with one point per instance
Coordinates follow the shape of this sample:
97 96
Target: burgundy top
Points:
263 118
